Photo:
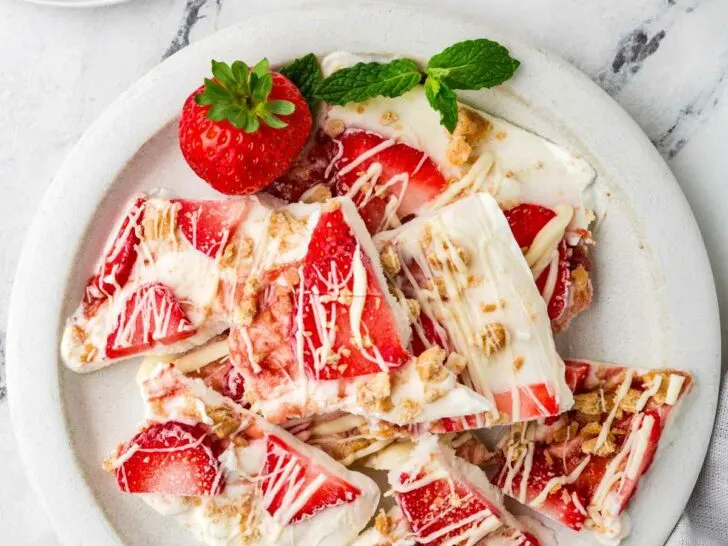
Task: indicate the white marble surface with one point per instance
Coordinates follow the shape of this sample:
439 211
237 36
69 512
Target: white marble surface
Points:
665 61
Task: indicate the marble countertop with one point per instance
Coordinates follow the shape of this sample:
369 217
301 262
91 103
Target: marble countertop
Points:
664 61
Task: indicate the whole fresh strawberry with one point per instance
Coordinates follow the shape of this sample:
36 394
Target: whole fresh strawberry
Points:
242 129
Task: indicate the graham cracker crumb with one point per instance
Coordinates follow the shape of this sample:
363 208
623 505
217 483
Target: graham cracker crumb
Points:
494 338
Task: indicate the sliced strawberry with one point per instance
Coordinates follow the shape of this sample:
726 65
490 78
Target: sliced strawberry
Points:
394 170
264 351
628 487
526 221
329 298
536 400
290 476
119 260
560 295
559 503
433 334
308 169
171 458
151 315
208 225
576 374
224 378
443 509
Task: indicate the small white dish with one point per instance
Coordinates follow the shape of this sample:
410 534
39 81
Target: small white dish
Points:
655 300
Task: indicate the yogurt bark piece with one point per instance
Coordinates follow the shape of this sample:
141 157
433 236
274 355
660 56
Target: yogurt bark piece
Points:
447 501
395 160
171 273
232 478
583 467
475 297
325 335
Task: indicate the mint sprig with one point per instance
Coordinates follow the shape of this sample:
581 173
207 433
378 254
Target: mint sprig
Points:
365 80
239 95
472 64
305 73
444 101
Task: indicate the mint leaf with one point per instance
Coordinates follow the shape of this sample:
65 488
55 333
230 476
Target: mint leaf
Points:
472 64
443 100
305 72
366 80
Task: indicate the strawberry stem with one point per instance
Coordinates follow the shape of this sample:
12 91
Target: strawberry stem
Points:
239 95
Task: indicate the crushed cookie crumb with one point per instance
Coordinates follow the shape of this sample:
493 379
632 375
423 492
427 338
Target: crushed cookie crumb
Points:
518 363
391 263
388 118
430 365
413 308
488 307
458 151
607 448
629 401
382 523
316 194
374 395
78 333
456 363
494 338
226 421
591 429
411 408
334 127
471 125
588 403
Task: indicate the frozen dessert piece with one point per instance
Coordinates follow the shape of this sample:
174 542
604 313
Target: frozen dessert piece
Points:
231 477
171 273
461 272
326 335
448 501
395 160
582 468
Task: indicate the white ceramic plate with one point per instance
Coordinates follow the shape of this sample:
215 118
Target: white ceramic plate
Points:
655 300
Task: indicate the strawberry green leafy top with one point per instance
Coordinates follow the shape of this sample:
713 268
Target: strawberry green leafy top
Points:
240 96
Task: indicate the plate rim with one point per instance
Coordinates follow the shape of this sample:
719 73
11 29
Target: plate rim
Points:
59 463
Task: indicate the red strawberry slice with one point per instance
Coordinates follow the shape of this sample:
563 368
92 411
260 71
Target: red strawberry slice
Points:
291 476
560 295
559 503
171 458
208 225
536 400
329 299
308 169
396 170
224 378
433 334
526 221
442 510
151 315
264 352
649 420
576 374
119 261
